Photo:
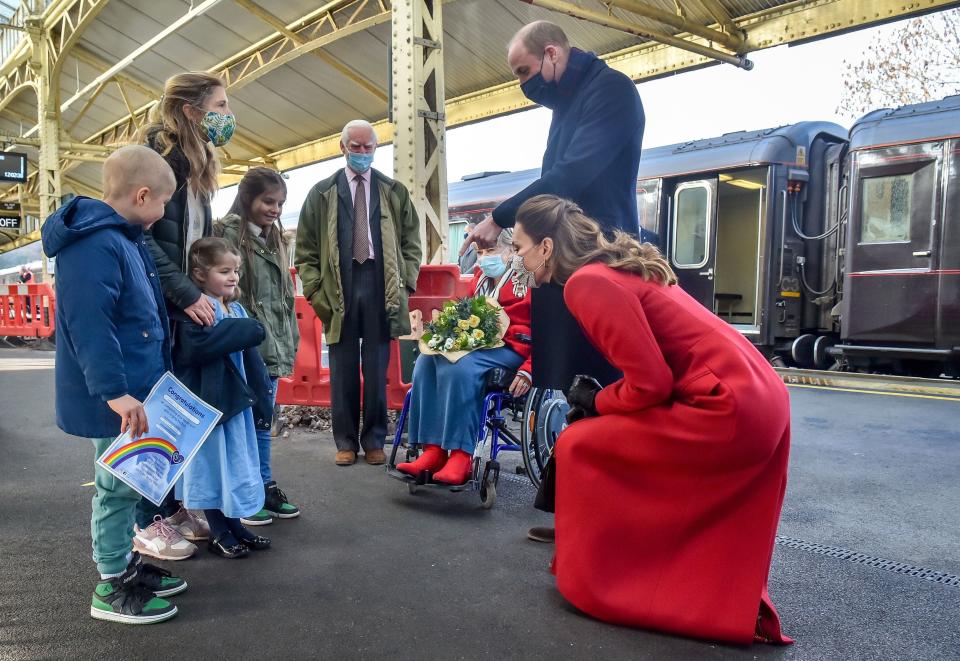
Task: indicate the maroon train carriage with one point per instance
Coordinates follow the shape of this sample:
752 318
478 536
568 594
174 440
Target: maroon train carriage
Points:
900 307
827 249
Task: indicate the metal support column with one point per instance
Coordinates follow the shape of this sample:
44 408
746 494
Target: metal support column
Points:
419 155
48 117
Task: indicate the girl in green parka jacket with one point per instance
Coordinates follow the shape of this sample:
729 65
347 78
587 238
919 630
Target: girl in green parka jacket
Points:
266 291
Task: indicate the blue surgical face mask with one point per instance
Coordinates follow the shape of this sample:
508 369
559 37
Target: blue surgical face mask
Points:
359 163
492 266
219 127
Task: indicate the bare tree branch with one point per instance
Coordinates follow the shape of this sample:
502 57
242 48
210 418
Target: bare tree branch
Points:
917 63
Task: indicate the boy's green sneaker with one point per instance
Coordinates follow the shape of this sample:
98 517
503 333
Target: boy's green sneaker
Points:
276 503
261 518
123 599
159 581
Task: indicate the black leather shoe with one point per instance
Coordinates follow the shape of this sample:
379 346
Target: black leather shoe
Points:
543 534
257 543
217 547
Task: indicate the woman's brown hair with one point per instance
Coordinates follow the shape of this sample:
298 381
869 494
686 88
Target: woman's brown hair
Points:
578 240
170 127
209 251
256 182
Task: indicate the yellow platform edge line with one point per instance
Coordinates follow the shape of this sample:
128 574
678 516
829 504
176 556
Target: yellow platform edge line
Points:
875 392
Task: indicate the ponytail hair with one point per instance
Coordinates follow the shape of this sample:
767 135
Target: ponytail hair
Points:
170 127
579 240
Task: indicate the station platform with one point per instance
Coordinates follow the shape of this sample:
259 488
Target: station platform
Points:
867 564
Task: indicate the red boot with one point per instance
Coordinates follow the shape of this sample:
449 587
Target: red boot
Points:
432 459
457 470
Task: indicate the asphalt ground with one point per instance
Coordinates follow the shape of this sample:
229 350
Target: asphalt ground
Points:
372 572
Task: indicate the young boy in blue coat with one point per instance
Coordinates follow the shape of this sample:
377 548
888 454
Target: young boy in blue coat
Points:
112 346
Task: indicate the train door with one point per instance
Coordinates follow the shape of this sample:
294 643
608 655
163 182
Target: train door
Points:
741 197
891 288
693 238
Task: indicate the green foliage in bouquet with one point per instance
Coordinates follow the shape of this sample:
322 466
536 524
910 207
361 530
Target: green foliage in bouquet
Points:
463 325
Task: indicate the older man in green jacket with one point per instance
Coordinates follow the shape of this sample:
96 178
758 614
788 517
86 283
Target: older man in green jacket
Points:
358 256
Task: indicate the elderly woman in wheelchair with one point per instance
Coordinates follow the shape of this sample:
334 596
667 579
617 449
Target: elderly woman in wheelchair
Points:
447 399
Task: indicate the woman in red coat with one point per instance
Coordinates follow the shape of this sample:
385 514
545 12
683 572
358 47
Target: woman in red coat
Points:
669 484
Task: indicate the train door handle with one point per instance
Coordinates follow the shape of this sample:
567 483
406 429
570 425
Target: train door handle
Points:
708 273
922 253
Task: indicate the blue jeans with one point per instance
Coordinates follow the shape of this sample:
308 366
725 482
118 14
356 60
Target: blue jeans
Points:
263 443
446 403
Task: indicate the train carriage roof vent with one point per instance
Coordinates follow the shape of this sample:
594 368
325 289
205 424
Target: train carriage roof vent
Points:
933 120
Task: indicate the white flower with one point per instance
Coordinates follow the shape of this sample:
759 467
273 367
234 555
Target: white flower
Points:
434 342
448 344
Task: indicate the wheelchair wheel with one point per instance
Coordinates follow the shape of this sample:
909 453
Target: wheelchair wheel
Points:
544 417
488 494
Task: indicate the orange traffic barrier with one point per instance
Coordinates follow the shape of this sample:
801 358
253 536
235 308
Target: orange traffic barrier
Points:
27 310
309 384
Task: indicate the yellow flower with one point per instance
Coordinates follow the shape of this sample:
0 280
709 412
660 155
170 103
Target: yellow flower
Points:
477 334
474 321
463 324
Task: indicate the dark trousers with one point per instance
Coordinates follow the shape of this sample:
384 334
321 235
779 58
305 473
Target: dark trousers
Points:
364 341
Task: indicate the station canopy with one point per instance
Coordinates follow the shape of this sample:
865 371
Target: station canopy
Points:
297 70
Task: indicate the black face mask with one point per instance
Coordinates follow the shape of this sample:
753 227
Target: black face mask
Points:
539 90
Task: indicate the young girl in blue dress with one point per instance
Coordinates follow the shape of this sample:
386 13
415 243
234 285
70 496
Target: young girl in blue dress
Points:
221 364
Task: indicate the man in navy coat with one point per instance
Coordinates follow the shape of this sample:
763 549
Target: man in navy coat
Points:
592 156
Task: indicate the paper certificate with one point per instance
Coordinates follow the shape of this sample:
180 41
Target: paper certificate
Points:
179 423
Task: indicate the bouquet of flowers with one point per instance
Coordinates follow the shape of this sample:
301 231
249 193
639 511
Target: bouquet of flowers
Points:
463 326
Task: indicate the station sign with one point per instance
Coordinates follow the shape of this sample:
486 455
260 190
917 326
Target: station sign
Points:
13 166
9 215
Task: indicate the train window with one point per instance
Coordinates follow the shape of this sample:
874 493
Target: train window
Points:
885 209
691 225
456 233
648 204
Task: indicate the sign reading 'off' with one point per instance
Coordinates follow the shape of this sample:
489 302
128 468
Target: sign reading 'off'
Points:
10 215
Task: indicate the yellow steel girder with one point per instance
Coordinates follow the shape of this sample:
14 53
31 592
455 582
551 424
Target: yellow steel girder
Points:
799 21
332 21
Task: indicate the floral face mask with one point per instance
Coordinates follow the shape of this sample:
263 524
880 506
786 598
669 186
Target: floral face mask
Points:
219 127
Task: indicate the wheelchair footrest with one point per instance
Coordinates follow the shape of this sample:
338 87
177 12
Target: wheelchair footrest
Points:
423 480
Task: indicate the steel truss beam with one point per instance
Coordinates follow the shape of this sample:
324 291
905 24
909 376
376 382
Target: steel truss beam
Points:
301 40
720 15
332 22
17 78
799 21
48 38
732 41
419 155
610 21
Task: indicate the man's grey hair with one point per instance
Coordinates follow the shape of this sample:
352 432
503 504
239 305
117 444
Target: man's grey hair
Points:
536 36
354 124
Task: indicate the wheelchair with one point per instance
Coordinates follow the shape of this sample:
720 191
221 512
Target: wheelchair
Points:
494 437
544 417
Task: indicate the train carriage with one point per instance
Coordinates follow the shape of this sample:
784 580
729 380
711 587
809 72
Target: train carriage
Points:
901 283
